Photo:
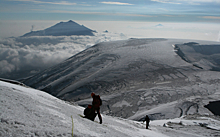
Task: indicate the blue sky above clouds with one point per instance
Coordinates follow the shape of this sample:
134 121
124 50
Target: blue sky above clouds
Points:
119 10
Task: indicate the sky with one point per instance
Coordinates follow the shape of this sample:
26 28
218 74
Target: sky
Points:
118 10
194 19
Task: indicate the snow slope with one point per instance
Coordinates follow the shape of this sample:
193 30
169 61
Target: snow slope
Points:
136 76
29 112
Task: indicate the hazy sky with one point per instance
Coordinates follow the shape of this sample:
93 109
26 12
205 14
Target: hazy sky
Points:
186 19
118 10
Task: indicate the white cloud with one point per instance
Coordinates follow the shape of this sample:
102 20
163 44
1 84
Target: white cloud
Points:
27 55
116 3
202 0
17 54
78 12
188 1
101 13
211 17
6 67
167 1
44 2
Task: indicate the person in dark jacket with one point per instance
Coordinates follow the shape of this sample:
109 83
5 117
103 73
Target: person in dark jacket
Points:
96 103
92 110
147 119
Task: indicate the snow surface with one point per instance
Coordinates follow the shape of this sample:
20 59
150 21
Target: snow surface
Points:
136 77
29 112
203 56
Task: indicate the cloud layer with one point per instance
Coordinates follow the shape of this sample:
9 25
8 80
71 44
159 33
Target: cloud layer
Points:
21 57
188 1
115 3
46 2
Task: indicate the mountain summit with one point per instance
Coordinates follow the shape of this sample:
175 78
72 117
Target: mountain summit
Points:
62 29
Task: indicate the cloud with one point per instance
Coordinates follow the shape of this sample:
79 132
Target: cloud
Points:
193 2
21 56
6 67
166 1
211 17
101 13
78 12
115 3
134 15
44 2
217 1
18 55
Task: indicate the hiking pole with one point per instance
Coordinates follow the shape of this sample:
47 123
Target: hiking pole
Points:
72 125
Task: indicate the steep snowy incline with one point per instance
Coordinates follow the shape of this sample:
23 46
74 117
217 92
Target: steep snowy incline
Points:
28 112
132 76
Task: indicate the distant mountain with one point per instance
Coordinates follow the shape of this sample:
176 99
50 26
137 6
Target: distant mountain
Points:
136 75
62 29
159 25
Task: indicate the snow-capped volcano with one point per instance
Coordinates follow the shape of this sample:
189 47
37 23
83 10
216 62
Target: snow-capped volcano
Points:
62 29
136 75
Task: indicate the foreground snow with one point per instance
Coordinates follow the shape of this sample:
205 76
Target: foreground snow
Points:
28 112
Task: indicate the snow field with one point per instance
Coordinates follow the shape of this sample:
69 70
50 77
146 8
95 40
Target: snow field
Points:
29 112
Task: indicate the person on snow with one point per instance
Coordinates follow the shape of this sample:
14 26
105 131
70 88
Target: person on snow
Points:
92 110
147 119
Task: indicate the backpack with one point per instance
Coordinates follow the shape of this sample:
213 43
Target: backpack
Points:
89 112
97 102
